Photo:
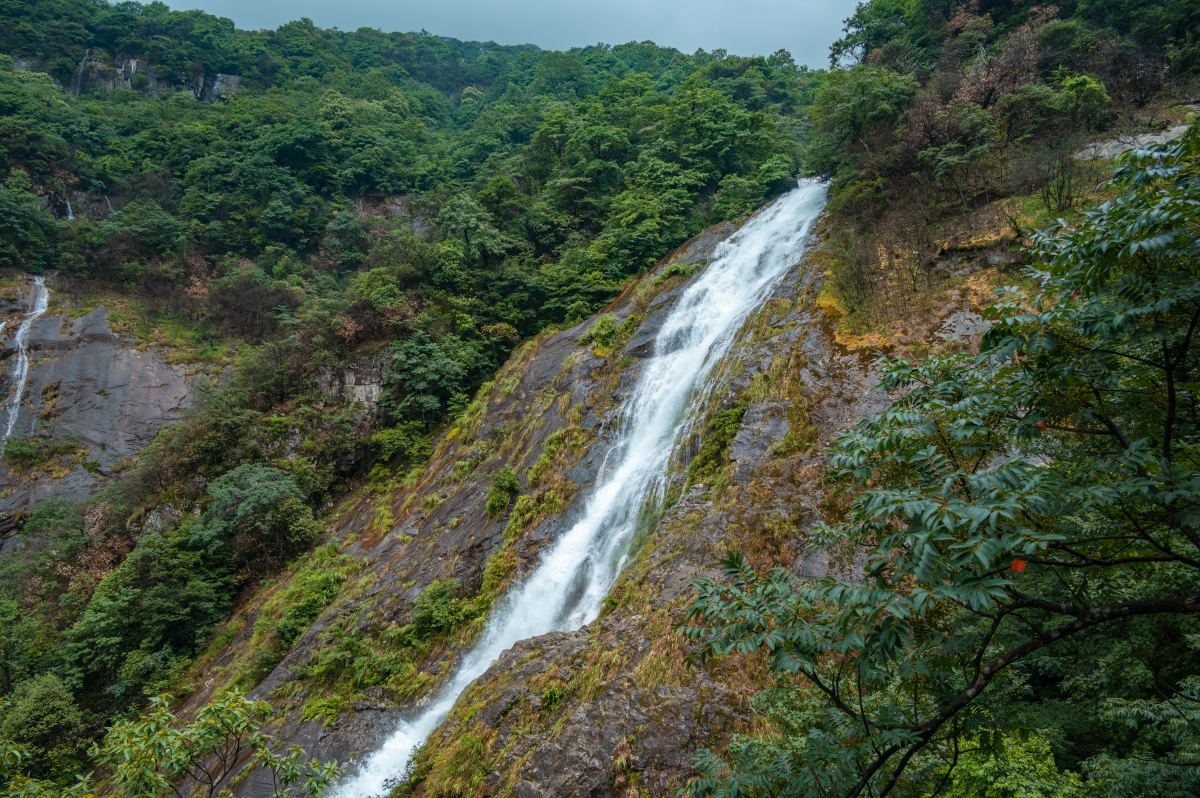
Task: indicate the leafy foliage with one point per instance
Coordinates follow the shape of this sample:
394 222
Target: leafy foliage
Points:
256 513
436 611
504 487
715 451
1042 496
42 719
938 111
150 755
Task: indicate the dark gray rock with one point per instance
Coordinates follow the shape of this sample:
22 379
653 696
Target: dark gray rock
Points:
642 343
699 250
764 425
963 324
87 386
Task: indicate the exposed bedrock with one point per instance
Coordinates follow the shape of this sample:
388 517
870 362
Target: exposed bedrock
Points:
609 706
88 387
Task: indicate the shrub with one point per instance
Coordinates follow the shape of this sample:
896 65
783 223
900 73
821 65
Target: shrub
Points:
403 443
41 717
502 490
602 332
437 610
257 517
712 454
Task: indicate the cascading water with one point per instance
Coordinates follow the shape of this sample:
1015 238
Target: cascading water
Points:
566 589
70 212
77 78
40 301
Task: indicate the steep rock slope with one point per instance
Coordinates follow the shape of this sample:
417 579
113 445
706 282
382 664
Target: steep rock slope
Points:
542 415
552 714
102 397
612 707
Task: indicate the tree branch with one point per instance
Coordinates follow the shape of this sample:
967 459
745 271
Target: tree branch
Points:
1086 617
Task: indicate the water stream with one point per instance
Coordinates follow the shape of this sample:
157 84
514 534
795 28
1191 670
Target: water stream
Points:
564 592
77 78
39 301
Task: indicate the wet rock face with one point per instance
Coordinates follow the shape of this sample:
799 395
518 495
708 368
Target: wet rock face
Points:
765 425
1115 148
223 87
609 707
587 712
98 71
612 707
359 381
86 386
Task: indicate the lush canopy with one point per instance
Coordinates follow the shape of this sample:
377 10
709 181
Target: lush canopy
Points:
1030 522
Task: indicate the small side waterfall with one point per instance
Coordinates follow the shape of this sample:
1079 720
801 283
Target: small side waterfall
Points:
40 300
77 78
565 591
109 204
70 212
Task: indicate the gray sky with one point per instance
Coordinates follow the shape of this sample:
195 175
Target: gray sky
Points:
745 27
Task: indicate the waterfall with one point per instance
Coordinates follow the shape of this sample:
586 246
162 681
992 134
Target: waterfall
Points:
40 301
77 78
565 591
109 204
70 213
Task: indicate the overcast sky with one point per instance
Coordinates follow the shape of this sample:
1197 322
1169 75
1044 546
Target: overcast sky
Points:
744 27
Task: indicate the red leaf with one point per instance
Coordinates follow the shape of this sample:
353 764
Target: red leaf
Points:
1018 566
1043 426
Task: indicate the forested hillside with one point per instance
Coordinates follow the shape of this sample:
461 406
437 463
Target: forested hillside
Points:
281 205
417 200
1026 621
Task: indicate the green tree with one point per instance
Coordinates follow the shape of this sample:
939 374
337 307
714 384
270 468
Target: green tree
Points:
158 755
14 784
427 374
1168 744
18 632
1015 767
255 511
853 106
40 717
155 609
26 231
1039 498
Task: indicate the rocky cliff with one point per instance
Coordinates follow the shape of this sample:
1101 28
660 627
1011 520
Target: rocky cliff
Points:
611 706
92 401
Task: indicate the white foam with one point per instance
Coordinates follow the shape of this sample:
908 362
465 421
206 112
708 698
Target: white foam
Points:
565 591
41 300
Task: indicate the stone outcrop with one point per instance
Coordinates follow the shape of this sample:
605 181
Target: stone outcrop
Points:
222 87
611 705
1112 149
87 387
358 381
98 70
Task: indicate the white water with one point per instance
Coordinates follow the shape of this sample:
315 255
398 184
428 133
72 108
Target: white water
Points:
77 78
70 213
41 300
565 591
